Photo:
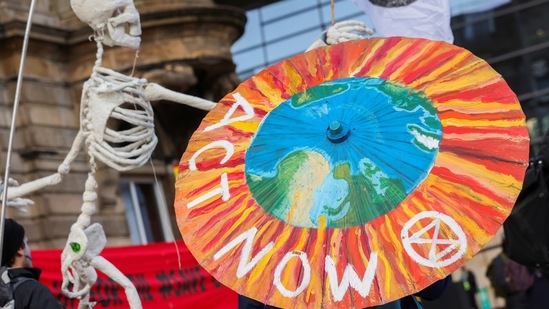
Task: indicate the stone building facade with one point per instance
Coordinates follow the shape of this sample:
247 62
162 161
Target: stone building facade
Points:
185 46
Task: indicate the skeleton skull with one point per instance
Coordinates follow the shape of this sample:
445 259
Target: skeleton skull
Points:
109 18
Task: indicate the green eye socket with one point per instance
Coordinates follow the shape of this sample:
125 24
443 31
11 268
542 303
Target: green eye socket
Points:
75 246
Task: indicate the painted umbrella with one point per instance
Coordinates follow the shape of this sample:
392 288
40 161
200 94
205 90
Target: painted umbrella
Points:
352 175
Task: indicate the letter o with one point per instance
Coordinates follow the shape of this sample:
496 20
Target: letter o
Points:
306 274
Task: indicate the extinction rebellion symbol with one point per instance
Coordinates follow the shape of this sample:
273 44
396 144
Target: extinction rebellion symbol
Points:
392 3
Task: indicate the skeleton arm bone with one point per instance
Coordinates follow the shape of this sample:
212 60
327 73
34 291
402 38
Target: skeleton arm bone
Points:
18 203
53 179
155 92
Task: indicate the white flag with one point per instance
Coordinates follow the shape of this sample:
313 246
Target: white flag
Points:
428 19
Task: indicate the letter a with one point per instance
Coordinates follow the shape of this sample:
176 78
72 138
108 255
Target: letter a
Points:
244 266
240 101
350 278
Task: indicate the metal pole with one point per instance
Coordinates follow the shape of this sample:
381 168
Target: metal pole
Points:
13 122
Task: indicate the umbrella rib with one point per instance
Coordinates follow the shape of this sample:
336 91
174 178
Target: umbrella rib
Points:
306 249
376 279
328 233
377 145
348 250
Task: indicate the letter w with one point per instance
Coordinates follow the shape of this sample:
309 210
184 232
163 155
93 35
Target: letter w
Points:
350 278
244 266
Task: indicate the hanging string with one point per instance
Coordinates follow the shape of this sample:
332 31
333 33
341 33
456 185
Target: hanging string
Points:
134 62
157 183
163 200
332 7
13 122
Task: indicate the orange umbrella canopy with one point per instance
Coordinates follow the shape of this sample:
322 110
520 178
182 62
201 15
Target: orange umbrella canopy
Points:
352 175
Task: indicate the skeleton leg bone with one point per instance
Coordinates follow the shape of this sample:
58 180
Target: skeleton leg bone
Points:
112 272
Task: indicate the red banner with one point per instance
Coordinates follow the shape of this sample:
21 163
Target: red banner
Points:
155 272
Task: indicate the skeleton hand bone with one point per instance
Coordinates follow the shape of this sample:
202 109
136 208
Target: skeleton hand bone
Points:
343 31
17 202
346 31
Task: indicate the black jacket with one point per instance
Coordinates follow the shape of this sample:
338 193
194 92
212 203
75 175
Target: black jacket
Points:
32 294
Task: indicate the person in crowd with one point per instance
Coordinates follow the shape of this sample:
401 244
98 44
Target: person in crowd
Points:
522 277
29 294
469 282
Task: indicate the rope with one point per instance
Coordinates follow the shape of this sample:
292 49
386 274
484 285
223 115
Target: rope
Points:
164 203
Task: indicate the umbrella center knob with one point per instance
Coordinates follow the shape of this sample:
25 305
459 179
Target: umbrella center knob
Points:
337 132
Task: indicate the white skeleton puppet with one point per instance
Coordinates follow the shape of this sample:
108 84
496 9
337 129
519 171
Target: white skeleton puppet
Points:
110 95
106 95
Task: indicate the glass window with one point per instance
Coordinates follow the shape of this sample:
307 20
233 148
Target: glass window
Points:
343 10
535 25
252 32
290 25
146 212
538 124
249 60
285 28
284 8
292 45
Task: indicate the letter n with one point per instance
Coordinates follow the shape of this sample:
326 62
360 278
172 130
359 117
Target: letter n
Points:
245 264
